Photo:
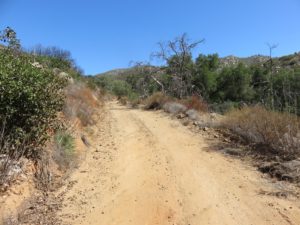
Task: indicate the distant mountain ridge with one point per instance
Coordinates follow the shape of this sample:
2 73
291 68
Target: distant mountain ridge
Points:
114 72
287 61
233 60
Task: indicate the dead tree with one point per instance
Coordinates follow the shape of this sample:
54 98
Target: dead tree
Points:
177 54
149 72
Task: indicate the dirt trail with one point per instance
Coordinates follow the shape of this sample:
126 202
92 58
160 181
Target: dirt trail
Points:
147 169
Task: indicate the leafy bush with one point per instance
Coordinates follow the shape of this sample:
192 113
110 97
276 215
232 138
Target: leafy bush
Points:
54 57
234 84
29 101
121 88
10 165
280 132
134 100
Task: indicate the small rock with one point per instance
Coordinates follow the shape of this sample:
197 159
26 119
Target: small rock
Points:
227 140
85 141
185 122
181 116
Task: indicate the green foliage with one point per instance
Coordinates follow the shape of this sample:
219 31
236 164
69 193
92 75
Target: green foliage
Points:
120 88
180 67
210 62
142 83
52 62
64 150
259 81
234 84
224 107
65 142
205 78
286 85
54 57
180 64
9 36
29 100
274 83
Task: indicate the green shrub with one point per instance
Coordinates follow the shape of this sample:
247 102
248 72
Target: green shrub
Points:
29 101
64 146
121 88
134 100
65 141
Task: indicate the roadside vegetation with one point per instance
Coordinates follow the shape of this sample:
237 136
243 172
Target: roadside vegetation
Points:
259 96
222 83
44 103
278 132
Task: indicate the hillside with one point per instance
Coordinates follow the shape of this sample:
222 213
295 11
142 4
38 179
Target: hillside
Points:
233 60
114 72
45 105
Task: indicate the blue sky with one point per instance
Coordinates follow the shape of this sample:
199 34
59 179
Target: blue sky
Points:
108 34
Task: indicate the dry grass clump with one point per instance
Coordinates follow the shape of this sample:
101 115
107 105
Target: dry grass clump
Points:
135 103
195 103
193 114
174 108
156 101
80 103
123 100
279 133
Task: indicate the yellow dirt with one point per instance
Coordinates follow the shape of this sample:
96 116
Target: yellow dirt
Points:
147 169
13 199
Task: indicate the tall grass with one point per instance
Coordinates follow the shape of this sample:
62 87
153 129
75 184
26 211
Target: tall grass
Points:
278 132
196 103
81 103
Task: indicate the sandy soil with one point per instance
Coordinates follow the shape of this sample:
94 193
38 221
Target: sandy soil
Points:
145 169
13 199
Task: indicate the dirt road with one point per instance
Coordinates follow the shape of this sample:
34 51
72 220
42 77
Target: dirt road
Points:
148 169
